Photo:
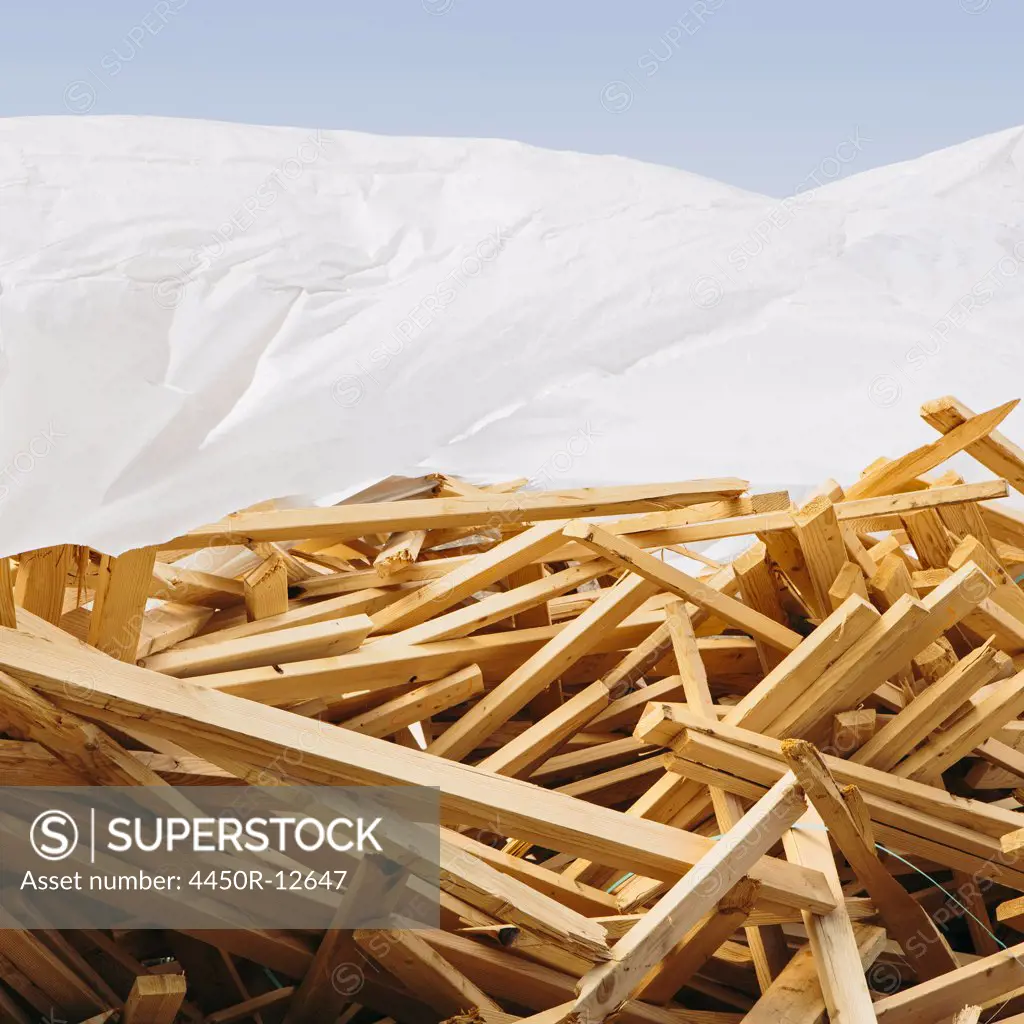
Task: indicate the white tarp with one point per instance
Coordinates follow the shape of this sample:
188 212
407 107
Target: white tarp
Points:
196 316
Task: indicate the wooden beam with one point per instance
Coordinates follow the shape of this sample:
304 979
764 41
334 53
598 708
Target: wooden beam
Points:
538 671
85 748
388 718
760 591
818 533
7 615
509 977
926 712
609 985
378 664
891 476
440 594
699 944
424 971
356 520
42 575
994 451
296 643
517 602
251 1007
852 729
1003 704
521 755
676 581
795 996
122 589
985 981
154 999
849 581
830 935
266 589
676 725
903 630
767 946
193 586
907 922
400 551
866 514
829 642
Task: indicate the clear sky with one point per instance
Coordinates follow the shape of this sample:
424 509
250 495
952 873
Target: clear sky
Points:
757 93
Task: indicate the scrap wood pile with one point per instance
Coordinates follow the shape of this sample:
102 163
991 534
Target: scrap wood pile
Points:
674 790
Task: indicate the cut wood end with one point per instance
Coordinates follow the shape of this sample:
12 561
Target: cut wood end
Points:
578 529
940 404
741 898
1011 842
818 504
797 750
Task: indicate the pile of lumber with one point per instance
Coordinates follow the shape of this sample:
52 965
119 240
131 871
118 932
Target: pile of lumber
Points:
674 790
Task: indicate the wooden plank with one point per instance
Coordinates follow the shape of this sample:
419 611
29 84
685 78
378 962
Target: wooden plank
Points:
852 729
818 533
933 543
42 573
154 999
985 981
538 671
699 944
535 986
902 733
521 755
496 607
388 718
164 626
400 551
759 590
296 643
609 985
122 589
932 840
890 581
830 935
767 946
1003 704
301 614
849 581
1007 594
893 475
356 520
676 725
7 615
192 586
45 972
85 748
924 946
252 1006
826 645
680 800
903 630
676 581
266 589
795 996
867 513
577 896
438 595
424 971
376 665
995 452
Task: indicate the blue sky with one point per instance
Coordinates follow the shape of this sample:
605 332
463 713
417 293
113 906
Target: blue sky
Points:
757 93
